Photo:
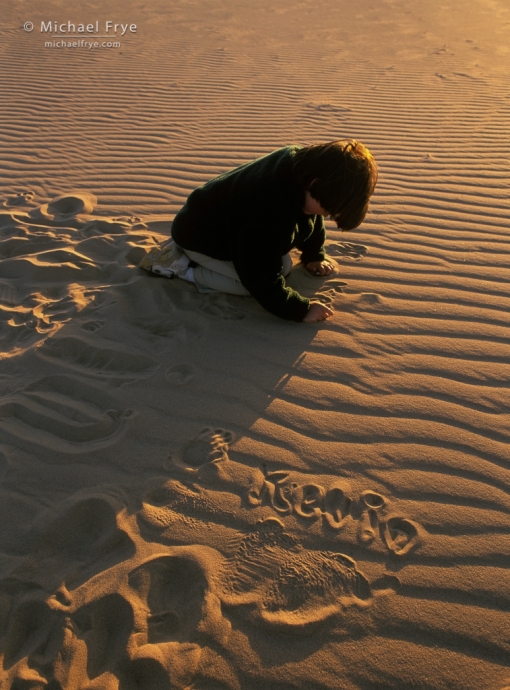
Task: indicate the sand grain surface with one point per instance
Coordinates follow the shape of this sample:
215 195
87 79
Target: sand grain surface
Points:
195 495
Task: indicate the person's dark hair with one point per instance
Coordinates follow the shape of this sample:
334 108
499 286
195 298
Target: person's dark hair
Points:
341 176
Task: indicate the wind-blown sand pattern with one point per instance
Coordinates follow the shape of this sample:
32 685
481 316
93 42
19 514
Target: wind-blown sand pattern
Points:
195 495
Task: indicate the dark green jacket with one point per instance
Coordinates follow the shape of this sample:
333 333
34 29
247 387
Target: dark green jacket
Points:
252 216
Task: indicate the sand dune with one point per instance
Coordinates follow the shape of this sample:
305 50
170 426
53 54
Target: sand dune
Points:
194 494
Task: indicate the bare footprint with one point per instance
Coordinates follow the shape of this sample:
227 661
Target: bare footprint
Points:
32 626
173 590
106 625
211 445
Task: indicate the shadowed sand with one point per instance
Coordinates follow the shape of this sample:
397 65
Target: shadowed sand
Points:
194 494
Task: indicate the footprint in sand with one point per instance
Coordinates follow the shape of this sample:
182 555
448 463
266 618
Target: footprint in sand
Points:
153 310
310 585
106 626
128 219
220 307
35 631
83 540
67 206
63 414
348 249
99 300
180 374
257 556
22 246
17 330
183 613
19 199
25 322
170 330
210 445
173 590
98 228
145 674
289 586
41 632
100 362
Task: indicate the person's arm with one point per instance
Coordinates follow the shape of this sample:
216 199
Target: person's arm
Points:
313 256
310 239
260 275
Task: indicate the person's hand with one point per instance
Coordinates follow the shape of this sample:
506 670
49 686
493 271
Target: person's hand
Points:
318 312
320 268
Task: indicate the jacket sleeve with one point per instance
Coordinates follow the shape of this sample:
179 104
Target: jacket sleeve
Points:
311 243
260 275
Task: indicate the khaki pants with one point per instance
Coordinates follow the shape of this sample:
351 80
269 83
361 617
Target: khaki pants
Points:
213 275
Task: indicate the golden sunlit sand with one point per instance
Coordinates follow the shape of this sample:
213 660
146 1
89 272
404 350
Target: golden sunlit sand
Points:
194 494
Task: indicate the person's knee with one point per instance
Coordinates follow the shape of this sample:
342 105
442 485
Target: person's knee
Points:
211 280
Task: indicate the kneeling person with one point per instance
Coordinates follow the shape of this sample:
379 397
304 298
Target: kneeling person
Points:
238 228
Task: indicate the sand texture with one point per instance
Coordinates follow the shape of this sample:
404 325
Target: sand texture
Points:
194 494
